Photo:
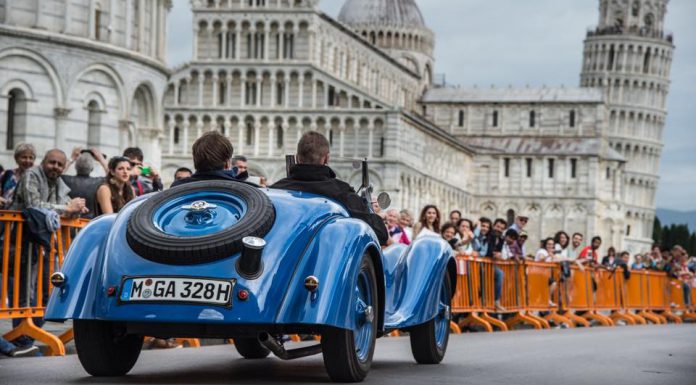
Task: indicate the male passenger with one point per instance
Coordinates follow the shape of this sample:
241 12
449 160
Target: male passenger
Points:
576 247
143 179
212 158
312 174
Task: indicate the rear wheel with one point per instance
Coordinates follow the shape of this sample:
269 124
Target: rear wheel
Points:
104 349
348 353
250 348
429 340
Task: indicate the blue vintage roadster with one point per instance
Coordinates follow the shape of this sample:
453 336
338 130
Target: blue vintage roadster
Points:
231 260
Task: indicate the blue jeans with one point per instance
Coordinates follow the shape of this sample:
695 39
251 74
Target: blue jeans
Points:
6 346
687 294
498 283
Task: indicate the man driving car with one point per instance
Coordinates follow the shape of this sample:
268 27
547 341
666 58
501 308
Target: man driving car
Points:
313 175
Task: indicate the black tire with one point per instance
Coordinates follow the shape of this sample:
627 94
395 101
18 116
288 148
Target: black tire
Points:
424 346
338 345
250 348
104 349
151 243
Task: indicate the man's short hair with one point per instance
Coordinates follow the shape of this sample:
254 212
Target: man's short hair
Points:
211 151
500 220
513 234
455 211
84 164
183 169
596 239
52 151
312 148
239 158
134 153
581 236
486 220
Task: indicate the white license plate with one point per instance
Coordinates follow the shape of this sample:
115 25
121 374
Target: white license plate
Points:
177 289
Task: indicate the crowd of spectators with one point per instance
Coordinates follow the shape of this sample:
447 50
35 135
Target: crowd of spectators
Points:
45 190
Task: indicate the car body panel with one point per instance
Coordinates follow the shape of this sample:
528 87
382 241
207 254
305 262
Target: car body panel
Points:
312 235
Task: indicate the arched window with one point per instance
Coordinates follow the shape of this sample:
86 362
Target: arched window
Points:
16 116
177 134
649 20
279 136
250 133
97 24
495 118
510 217
381 147
506 166
572 118
93 124
532 118
646 61
461 118
331 138
610 58
222 94
635 11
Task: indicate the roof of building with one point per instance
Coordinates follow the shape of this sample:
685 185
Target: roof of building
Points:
513 95
394 13
540 146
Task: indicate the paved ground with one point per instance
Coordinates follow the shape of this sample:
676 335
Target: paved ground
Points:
622 355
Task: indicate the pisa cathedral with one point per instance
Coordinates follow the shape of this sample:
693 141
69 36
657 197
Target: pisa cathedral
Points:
586 159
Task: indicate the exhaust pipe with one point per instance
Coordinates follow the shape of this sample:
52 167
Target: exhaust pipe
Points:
279 350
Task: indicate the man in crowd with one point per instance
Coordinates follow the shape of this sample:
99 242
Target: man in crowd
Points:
591 253
42 188
182 173
144 179
406 222
511 248
312 174
499 227
576 246
82 185
396 232
240 167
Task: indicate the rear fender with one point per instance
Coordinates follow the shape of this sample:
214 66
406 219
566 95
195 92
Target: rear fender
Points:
333 256
415 279
82 268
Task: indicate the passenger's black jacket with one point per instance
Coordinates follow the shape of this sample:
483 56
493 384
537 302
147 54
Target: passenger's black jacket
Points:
321 180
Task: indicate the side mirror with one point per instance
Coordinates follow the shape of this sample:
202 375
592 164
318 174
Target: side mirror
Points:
384 201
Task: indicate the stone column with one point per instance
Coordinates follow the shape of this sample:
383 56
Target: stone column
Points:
257 139
223 45
243 82
314 93
61 118
281 42
91 20
195 41
172 126
153 28
274 89
301 92
228 98
238 42
240 132
259 85
287 91
216 85
66 15
129 22
266 40
370 146
271 134
176 93
201 80
342 139
228 127
199 128
141 28
184 142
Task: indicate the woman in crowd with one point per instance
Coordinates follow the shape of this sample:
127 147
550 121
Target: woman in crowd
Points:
465 228
116 190
562 242
24 155
448 231
547 254
428 223
638 264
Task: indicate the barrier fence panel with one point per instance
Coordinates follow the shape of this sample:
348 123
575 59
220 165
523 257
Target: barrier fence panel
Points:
604 295
476 297
543 291
576 295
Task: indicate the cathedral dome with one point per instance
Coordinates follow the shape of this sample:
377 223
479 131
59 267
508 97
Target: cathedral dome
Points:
393 13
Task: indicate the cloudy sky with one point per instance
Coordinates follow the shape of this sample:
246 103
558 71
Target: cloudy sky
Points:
536 42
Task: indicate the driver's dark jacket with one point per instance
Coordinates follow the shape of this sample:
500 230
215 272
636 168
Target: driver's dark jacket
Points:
321 180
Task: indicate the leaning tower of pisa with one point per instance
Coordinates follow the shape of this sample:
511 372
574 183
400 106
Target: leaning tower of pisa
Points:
629 55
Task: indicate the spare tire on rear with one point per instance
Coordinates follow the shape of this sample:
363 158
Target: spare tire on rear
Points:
147 233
